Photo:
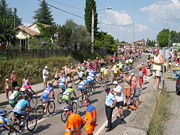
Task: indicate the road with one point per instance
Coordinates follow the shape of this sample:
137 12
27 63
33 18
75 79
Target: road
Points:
54 125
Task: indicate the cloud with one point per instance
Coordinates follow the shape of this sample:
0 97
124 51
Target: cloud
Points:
118 23
165 12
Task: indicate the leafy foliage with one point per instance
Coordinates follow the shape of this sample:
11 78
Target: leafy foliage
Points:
91 5
105 40
162 38
43 14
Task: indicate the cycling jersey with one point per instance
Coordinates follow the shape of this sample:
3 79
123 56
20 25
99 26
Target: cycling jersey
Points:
81 73
21 106
13 97
48 90
102 70
68 91
3 121
81 85
62 80
106 72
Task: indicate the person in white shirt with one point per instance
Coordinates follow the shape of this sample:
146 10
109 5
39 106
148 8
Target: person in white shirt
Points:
119 96
45 76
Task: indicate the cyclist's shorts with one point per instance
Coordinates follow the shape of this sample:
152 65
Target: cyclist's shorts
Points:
82 90
62 87
19 112
46 97
90 81
105 74
66 97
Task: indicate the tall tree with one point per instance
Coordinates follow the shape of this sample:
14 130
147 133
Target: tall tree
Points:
43 14
91 6
163 38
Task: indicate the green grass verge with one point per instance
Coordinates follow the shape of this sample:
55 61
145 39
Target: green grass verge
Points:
161 114
32 67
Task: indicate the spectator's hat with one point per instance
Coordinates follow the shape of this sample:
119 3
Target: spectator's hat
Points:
46 67
132 74
7 80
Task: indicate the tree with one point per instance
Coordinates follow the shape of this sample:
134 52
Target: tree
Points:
91 5
163 38
43 14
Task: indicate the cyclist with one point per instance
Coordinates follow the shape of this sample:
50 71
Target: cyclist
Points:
4 123
90 79
67 93
21 108
15 96
27 89
82 88
46 93
62 82
115 69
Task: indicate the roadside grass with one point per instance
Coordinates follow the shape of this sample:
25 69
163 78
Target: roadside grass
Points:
161 114
31 67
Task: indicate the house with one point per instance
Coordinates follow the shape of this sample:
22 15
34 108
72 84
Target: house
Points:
24 33
141 42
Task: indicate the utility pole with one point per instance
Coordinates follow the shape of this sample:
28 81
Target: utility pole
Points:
133 33
92 32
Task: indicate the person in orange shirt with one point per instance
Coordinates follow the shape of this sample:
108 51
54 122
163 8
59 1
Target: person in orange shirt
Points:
74 122
90 117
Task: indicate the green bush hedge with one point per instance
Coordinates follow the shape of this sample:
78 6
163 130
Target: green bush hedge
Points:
32 67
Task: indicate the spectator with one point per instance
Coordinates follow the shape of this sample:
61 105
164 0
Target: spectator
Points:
158 61
144 71
133 84
13 78
45 76
90 117
140 77
127 88
6 88
119 96
74 122
109 106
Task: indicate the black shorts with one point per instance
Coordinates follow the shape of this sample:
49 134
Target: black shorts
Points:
121 103
14 84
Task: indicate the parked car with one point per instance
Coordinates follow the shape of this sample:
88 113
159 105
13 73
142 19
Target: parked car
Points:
178 84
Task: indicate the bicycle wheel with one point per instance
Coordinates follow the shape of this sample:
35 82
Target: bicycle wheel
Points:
59 98
64 116
40 111
33 102
80 102
74 105
31 121
10 116
51 107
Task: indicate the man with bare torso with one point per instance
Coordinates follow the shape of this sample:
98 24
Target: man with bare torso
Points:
13 78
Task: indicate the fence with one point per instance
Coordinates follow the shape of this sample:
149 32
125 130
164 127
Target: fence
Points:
43 53
31 53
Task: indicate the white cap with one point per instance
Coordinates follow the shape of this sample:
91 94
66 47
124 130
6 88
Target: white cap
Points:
46 66
132 73
115 82
7 80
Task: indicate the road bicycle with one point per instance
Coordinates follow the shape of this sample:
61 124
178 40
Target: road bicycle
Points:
72 103
41 108
28 120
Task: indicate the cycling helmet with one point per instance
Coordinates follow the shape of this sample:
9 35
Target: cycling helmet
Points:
67 108
50 84
3 112
69 85
17 88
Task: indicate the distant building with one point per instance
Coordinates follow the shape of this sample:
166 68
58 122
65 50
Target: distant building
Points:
141 42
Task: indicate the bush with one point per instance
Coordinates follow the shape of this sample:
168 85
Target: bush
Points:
32 67
82 55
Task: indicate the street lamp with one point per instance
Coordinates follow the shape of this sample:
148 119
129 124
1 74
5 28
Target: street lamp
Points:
92 29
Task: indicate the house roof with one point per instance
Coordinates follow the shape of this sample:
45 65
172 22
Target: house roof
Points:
141 41
27 30
45 25
123 44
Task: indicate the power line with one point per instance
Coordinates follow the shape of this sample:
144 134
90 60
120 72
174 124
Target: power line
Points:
64 11
64 4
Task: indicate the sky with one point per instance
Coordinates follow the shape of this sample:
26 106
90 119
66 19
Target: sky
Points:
127 20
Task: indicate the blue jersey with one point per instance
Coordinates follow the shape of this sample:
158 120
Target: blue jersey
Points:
48 90
21 106
90 78
3 121
62 80
82 84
